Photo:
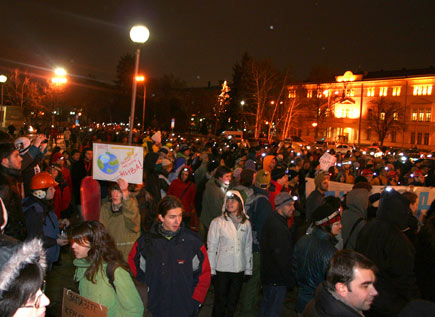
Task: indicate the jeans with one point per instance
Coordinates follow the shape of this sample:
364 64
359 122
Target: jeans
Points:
272 301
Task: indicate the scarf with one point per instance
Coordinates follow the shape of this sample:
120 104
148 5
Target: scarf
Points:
168 234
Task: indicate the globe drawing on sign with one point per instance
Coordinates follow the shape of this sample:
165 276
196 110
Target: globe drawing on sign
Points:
108 163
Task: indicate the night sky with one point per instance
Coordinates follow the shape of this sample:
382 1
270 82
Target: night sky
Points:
200 41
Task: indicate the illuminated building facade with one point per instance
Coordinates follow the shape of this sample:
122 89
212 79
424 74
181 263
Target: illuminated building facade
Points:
333 108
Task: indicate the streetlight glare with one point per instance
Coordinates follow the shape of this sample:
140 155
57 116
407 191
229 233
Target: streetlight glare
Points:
140 78
60 71
139 34
3 78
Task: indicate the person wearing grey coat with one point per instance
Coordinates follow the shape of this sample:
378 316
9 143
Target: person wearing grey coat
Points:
354 216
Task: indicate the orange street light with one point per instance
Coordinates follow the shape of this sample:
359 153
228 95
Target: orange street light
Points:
142 78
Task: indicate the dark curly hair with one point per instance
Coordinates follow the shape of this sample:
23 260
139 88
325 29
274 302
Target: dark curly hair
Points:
102 247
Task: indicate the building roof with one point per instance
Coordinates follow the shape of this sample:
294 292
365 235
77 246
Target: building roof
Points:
398 73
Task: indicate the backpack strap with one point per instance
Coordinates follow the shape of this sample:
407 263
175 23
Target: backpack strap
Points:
351 231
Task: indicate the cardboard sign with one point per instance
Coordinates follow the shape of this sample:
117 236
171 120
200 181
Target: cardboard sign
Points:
112 161
326 161
74 305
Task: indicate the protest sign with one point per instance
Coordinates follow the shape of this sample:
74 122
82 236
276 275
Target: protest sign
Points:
74 305
112 161
425 194
326 161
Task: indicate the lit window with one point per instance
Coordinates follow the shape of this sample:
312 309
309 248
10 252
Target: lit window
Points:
292 94
309 94
395 116
383 91
428 115
422 90
350 92
426 139
396 91
382 116
421 115
371 92
414 115
326 92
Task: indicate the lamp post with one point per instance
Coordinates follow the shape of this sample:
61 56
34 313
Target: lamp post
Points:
59 79
141 78
3 79
139 34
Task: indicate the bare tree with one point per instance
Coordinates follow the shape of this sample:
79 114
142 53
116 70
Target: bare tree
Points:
386 115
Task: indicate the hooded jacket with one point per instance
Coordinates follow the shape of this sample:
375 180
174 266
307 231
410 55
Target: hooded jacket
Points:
383 241
212 200
230 248
357 201
176 271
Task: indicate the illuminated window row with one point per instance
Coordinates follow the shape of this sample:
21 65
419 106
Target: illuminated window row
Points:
421 115
422 90
383 91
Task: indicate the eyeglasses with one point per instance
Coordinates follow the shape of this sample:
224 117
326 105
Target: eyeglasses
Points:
37 303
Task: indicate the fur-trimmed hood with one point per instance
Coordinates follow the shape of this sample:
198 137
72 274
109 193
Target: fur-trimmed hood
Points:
14 256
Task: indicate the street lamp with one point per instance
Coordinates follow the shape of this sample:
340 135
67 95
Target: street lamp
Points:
141 78
59 79
3 79
139 34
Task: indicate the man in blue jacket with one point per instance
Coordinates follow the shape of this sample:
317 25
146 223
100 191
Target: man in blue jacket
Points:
173 263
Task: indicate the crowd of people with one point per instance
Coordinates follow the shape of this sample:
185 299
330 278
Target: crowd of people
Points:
212 211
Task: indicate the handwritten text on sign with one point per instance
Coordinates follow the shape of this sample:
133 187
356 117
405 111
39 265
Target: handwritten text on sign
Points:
74 305
112 161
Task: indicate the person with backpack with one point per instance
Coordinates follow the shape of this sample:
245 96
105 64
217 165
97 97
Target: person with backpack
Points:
94 250
258 209
41 221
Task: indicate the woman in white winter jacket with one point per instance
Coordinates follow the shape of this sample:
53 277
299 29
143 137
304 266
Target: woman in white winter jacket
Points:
229 244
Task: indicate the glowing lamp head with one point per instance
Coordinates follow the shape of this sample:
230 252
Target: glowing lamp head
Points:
60 72
139 34
3 78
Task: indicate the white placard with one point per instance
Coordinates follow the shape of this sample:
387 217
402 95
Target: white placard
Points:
112 161
326 161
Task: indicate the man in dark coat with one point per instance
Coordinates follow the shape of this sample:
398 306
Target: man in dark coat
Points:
10 167
348 289
384 242
315 199
276 249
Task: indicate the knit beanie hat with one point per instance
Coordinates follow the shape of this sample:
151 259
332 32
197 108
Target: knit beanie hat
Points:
262 178
250 164
283 199
320 177
325 215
